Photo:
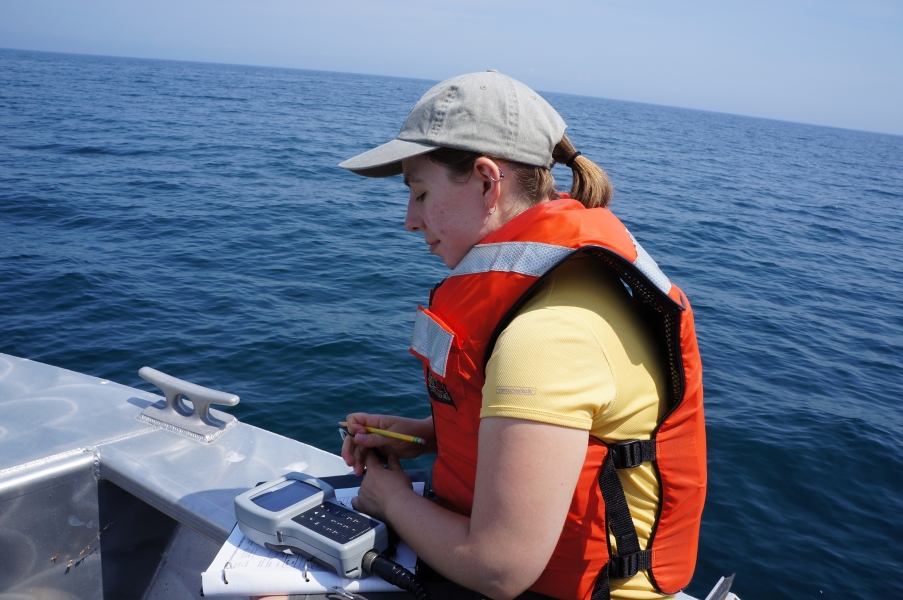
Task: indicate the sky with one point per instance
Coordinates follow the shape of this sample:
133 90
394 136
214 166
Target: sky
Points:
835 63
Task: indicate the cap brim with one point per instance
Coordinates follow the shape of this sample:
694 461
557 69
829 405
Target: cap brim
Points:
385 160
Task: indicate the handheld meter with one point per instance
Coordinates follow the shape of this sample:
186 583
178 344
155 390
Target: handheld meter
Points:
299 513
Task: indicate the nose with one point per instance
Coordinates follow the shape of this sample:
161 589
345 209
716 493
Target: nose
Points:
412 220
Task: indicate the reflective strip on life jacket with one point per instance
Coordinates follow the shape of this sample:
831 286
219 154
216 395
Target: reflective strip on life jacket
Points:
648 267
535 259
431 341
526 258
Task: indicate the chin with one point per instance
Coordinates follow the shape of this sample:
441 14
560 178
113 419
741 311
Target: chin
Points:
449 262
452 263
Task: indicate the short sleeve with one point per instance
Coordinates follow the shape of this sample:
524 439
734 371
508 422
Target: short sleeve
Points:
549 366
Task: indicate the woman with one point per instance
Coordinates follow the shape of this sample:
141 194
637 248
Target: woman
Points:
545 373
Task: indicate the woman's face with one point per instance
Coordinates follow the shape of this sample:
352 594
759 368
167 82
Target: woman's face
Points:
451 215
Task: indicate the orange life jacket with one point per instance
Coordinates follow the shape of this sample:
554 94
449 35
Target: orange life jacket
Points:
454 338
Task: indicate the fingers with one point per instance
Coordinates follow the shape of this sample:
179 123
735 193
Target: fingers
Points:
347 451
357 421
354 446
357 427
371 460
353 455
393 464
360 455
372 440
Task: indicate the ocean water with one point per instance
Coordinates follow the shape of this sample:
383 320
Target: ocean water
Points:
191 217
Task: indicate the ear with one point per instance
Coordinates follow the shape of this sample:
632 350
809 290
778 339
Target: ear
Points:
488 173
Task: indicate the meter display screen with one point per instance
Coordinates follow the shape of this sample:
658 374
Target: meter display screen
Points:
284 497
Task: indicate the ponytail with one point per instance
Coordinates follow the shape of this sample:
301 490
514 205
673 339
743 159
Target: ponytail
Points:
591 185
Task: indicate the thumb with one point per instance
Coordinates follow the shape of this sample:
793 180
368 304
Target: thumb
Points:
372 460
370 440
393 464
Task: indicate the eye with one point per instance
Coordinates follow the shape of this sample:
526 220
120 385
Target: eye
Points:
420 197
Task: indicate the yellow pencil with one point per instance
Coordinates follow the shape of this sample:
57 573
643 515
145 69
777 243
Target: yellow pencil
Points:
391 434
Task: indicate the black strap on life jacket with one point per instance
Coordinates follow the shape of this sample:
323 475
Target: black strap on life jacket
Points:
630 559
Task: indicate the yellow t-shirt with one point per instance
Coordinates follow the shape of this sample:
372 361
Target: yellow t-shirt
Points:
578 355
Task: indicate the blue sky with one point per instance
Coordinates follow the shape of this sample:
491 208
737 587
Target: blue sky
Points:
823 62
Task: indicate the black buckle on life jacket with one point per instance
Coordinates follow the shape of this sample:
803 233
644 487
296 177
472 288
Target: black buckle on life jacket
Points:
632 453
622 567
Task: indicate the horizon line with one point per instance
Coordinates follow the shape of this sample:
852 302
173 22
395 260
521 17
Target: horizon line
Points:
257 66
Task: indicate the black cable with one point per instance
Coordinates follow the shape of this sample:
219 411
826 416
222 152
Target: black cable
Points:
394 573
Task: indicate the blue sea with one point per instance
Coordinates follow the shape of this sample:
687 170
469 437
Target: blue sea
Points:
191 217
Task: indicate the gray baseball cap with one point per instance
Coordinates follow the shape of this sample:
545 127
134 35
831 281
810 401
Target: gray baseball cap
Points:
486 112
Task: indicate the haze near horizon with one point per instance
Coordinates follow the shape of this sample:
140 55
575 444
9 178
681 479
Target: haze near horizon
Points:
836 63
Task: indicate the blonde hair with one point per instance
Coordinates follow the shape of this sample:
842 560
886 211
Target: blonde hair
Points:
591 185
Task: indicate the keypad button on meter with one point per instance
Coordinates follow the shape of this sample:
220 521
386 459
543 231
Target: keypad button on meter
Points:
335 522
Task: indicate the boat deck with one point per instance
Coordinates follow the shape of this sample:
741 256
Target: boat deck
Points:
91 498
95 503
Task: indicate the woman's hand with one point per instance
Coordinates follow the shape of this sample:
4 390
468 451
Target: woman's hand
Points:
380 485
355 447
